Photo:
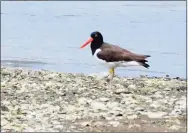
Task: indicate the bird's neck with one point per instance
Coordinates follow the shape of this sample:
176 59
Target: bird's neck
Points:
96 45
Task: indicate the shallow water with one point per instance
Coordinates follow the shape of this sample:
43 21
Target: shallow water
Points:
47 35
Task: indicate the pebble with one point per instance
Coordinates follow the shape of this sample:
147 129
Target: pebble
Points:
167 89
99 123
139 109
116 113
156 114
3 84
85 123
132 87
174 127
148 100
158 95
103 99
98 106
111 105
122 90
114 123
4 108
132 117
133 126
82 101
155 104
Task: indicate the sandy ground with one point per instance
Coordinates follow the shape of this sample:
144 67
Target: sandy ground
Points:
49 101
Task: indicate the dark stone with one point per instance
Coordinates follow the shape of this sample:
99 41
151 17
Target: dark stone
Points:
4 108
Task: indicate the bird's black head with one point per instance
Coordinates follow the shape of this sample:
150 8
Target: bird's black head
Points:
97 37
96 41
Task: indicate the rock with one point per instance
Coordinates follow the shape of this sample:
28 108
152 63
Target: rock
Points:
132 87
114 123
30 129
174 127
55 122
116 113
167 89
85 123
112 105
3 84
98 123
134 126
102 115
82 101
149 83
117 109
98 106
155 104
109 118
70 117
70 109
175 112
148 100
103 99
4 108
157 95
4 122
139 109
156 114
132 117
144 121
181 103
177 121
162 101
121 90
143 76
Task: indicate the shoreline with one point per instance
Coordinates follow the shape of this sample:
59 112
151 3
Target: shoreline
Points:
41 100
100 74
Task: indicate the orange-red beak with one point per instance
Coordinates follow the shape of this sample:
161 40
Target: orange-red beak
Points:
87 42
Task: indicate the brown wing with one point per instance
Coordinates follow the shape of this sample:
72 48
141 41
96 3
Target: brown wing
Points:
107 46
111 53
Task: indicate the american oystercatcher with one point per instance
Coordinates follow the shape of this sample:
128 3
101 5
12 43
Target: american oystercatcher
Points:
113 56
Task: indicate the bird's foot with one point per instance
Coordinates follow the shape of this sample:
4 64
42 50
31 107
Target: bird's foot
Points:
111 76
111 71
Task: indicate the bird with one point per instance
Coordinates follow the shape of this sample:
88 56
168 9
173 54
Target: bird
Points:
113 56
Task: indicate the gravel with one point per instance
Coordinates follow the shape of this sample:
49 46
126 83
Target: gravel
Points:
46 101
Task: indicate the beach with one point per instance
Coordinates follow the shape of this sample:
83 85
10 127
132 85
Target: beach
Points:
47 101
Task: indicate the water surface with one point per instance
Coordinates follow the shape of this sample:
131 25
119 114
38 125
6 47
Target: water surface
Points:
47 35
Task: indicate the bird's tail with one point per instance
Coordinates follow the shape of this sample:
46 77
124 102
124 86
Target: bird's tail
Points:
143 61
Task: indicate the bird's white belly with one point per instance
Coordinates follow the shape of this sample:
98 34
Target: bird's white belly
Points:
118 64
115 64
